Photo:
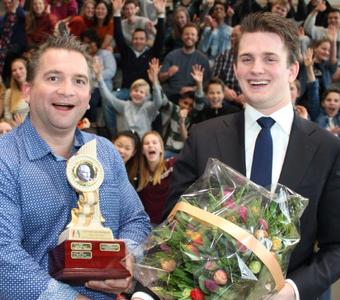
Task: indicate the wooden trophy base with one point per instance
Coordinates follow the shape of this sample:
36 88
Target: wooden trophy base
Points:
76 262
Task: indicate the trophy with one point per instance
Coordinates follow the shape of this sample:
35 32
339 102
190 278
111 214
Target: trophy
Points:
86 249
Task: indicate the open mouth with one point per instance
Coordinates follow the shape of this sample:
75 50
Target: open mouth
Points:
64 107
258 83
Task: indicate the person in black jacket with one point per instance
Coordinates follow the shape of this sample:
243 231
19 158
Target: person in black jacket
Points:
135 59
216 105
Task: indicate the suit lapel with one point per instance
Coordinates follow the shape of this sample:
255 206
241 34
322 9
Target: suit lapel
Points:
230 141
300 152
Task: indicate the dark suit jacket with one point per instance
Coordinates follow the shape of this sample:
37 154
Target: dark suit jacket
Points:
311 168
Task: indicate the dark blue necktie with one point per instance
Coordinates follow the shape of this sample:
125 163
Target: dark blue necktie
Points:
261 170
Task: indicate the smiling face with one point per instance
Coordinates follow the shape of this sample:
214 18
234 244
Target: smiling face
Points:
139 40
322 51
331 104
189 37
263 71
138 94
152 148
280 10
101 11
130 10
38 7
333 19
19 71
59 92
181 19
89 10
215 95
186 103
125 147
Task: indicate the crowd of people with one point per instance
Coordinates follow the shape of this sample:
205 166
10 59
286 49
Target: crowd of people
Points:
159 70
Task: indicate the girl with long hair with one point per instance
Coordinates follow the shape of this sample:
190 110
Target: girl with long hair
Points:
127 144
84 21
15 105
103 23
154 176
39 23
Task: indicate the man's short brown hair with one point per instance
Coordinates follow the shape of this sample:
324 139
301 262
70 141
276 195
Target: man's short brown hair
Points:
269 22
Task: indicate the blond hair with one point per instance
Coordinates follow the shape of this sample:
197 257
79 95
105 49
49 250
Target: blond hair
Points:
141 83
16 95
145 174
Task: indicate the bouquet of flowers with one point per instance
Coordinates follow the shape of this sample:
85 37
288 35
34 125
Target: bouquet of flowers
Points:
227 238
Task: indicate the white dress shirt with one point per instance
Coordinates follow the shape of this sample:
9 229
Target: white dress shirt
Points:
280 132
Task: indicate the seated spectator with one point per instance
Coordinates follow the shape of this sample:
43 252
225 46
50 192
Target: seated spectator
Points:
173 39
177 65
178 118
15 103
12 37
244 7
109 67
324 64
139 112
63 10
192 6
329 115
216 106
128 146
135 58
279 7
215 38
294 94
321 18
224 70
132 21
318 33
103 24
39 23
154 176
78 24
147 10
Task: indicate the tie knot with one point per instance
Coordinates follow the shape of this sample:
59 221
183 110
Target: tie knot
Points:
265 122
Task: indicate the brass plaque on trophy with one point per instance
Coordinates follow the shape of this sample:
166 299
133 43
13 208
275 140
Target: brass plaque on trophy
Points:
86 249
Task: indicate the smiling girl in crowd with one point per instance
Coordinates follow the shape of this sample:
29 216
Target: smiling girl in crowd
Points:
139 112
154 176
39 23
127 144
15 106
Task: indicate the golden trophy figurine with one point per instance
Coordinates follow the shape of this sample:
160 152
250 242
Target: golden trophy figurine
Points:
86 249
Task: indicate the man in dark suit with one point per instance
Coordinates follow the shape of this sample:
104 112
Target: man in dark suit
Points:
303 157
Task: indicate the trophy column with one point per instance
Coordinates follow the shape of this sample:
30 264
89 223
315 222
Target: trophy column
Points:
86 249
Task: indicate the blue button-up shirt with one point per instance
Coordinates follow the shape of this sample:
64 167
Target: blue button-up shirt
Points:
35 204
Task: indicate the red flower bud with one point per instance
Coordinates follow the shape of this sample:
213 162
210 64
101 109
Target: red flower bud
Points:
196 294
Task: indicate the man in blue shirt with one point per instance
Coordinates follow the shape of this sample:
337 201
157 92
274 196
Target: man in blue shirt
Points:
35 196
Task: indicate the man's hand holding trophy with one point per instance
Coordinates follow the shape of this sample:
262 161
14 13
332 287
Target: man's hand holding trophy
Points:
86 249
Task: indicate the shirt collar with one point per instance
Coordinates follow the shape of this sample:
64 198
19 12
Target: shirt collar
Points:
283 117
37 148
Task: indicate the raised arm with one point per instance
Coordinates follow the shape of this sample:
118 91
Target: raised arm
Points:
159 99
106 94
118 31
